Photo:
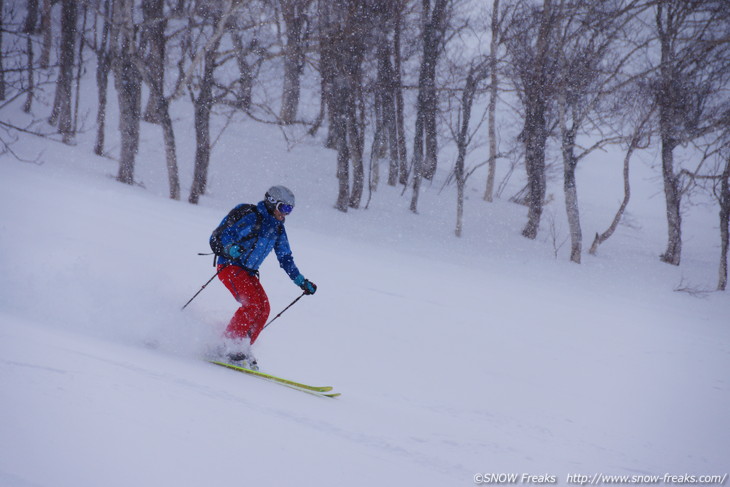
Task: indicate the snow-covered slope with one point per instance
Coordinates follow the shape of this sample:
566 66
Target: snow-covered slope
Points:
454 356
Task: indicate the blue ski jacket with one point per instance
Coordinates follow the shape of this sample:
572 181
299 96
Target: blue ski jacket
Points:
257 234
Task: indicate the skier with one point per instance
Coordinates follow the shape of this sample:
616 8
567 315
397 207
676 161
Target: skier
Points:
242 241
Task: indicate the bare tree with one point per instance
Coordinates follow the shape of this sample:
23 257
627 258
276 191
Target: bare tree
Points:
207 25
2 67
692 37
153 45
425 142
30 28
325 72
397 79
591 67
724 198
80 65
128 84
17 69
247 68
639 139
203 103
478 72
31 18
296 19
101 46
151 66
342 48
493 94
47 32
61 114
529 39
385 140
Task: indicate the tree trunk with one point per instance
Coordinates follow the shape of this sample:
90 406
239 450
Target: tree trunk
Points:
417 159
356 155
203 104
339 129
386 130
535 131
492 109
355 110
322 101
672 193
80 69
460 186
168 135
639 133
291 90
342 56
128 84
45 58
30 27
462 140
31 77
152 70
570 188
627 196
432 39
724 223
103 66
2 68
245 73
379 146
31 19
424 163
343 175
294 13
356 132
61 114
571 205
327 53
154 32
667 99
430 162
129 92
399 107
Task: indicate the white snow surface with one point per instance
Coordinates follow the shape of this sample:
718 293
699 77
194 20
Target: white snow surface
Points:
454 357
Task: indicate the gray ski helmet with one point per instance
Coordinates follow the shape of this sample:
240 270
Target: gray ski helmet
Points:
277 195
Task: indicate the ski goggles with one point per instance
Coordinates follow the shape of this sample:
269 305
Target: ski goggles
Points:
283 208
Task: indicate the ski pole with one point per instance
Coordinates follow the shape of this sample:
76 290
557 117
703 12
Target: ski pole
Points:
282 311
204 286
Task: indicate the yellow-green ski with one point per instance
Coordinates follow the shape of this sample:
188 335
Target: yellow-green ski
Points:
316 390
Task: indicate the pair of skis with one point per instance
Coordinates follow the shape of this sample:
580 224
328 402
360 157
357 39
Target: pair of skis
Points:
321 391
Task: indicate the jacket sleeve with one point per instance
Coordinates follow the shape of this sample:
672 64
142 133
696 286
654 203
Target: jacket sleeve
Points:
284 255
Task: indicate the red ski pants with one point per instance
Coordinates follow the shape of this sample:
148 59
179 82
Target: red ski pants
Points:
250 318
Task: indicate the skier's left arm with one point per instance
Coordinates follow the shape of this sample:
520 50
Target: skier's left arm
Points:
286 261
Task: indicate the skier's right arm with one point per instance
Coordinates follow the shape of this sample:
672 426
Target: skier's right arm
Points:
236 233
233 251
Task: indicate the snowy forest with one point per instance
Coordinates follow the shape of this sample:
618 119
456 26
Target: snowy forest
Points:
399 89
515 213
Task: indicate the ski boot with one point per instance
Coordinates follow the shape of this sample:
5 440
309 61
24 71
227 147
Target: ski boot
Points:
247 361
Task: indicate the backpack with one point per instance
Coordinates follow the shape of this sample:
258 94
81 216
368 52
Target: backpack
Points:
231 219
